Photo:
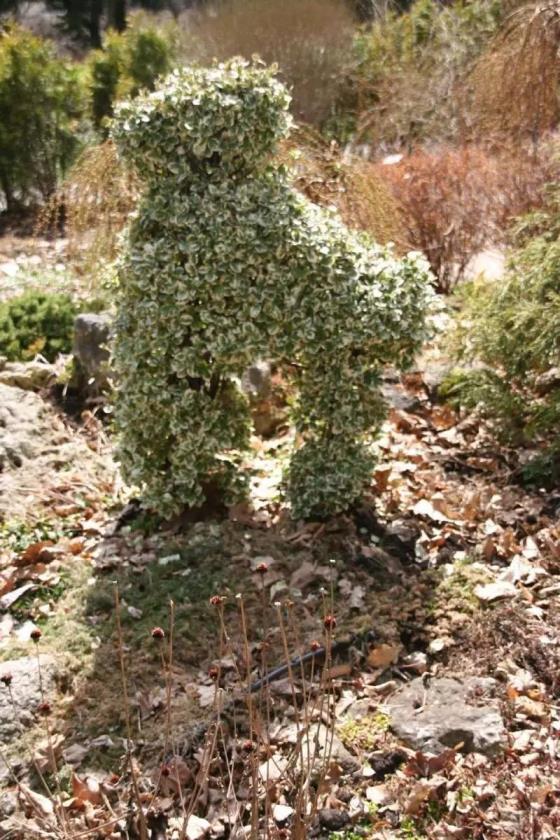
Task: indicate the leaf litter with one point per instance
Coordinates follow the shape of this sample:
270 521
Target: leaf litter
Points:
448 569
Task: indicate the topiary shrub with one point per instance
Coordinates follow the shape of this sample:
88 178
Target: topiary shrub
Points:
36 322
226 263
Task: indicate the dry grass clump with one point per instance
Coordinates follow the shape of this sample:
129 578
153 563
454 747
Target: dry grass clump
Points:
310 40
93 204
456 202
353 186
97 197
516 82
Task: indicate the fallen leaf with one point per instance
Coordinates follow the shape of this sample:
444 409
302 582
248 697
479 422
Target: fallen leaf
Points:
532 708
378 794
32 552
281 813
42 805
495 590
197 827
86 790
383 655
7 600
425 508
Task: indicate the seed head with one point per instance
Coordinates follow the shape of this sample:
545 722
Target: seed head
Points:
315 645
216 600
330 622
6 679
158 633
262 568
44 708
36 634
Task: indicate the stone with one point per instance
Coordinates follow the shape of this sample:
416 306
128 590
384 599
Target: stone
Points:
434 374
442 713
29 376
397 397
21 416
548 381
256 381
26 693
92 335
333 819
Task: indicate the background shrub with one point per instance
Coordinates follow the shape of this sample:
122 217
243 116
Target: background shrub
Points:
516 80
130 61
352 185
406 76
455 202
41 103
511 330
36 322
310 40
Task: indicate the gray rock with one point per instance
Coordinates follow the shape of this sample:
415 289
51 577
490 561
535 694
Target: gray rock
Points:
397 397
333 819
29 376
548 381
21 416
446 713
256 380
26 693
92 335
268 409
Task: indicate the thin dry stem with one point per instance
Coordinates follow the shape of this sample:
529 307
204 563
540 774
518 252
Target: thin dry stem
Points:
126 707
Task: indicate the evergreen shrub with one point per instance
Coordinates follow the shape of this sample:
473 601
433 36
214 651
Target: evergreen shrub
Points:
36 322
225 263
511 329
42 100
129 62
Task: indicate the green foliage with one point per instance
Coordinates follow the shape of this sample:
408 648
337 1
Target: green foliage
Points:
129 62
41 102
407 68
36 322
226 263
512 330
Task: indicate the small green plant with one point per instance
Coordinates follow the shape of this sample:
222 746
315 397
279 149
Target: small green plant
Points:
36 322
16 535
41 104
364 734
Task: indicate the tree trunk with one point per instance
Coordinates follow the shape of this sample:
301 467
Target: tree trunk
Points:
116 14
94 23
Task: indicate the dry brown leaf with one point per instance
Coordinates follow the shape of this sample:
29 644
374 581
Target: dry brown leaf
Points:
86 790
532 708
381 477
32 552
383 655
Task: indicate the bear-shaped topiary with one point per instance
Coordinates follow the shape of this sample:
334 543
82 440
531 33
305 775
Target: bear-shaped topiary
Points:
224 263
